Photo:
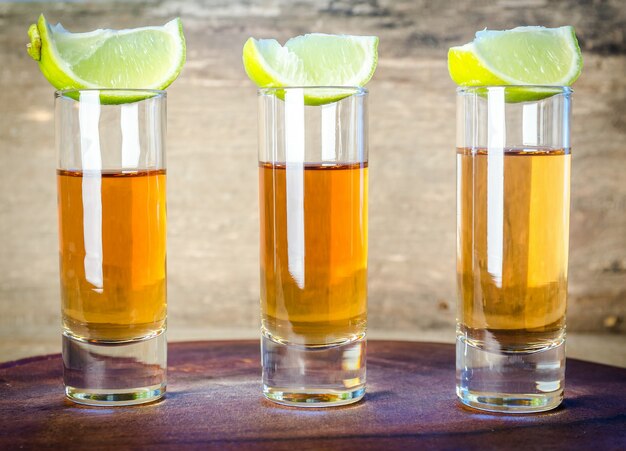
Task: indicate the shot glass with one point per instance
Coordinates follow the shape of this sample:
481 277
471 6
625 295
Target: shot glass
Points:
112 234
313 244
513 197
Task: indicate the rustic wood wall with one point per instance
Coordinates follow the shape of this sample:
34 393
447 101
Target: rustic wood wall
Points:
213 230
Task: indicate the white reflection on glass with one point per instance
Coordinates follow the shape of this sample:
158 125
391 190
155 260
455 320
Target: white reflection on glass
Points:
529 124
129 122
294 160
329 115
361 120
89 118
496 133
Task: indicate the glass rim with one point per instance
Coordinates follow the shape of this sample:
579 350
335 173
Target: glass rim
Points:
357 90
472 89
66 93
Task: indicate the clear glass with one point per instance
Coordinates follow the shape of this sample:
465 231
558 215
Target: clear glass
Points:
112 237
313 245
513 197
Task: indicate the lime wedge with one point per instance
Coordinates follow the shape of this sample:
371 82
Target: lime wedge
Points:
312 60
521 56
140 58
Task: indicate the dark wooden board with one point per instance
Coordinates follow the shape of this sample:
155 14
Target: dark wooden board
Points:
214 402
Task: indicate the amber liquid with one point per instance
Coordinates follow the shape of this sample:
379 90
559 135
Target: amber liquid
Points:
313 252
512 254
116 290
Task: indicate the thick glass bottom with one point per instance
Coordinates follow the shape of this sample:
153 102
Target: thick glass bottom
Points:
114 373
510 403
512 382
313 398
109 397
313 376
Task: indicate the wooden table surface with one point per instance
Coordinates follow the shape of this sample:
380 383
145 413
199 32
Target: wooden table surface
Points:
214 402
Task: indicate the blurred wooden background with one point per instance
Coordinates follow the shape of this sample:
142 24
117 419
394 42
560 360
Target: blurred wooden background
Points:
212 164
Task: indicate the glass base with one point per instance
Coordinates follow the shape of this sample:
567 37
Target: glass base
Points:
313 376
511 382
108 397
109 373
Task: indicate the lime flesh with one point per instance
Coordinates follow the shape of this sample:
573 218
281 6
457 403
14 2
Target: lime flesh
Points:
141 58
312 60
523 56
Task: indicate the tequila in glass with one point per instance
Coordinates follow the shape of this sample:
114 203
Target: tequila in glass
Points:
328 303
129 300
313 246
112 236
513 178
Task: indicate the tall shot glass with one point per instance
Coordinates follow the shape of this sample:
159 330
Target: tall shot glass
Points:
112 226
513 197
313 245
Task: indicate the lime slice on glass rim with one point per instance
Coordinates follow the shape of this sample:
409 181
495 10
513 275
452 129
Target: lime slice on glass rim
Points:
312 60
521 57
140 58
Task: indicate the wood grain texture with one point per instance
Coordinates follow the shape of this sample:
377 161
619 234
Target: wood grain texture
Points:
214 402
212 173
